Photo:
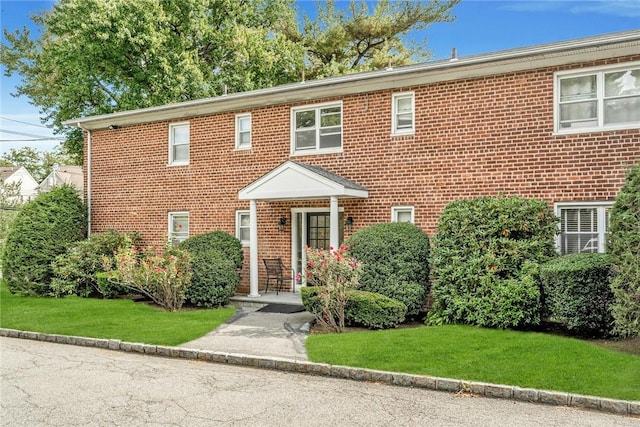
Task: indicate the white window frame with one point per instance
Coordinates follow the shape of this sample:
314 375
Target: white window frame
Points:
600 207
395 210
599 72
172 161
316 108
173 235
239 227
394 113
239 132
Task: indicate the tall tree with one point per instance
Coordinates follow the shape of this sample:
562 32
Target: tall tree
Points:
100 56
368 36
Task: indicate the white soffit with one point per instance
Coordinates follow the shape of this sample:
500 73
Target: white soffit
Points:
291 181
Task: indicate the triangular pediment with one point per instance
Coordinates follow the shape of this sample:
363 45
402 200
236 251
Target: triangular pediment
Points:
299 181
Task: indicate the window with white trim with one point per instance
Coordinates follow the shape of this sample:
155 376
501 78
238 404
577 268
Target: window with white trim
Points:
403 113
583 227
597 99
178 227
179 143
402 214
243 221
317 128
243 131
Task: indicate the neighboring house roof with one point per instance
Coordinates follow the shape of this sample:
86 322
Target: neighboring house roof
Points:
13 174
7 171
296 180
65 174
526 58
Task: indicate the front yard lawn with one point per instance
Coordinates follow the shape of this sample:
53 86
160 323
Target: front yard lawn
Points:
525 359
114 319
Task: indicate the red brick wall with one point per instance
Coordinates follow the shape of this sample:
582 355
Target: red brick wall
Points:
481 136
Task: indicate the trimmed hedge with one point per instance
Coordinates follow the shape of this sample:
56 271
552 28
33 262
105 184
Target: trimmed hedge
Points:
215 258
368 309
485 258
624 248
395 258
577 293
43 229
75 270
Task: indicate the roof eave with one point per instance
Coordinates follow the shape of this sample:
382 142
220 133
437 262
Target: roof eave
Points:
554 54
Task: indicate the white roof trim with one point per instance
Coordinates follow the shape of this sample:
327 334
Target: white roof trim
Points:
291 181
526 58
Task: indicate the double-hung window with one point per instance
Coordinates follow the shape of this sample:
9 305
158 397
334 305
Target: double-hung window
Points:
403 113
583 227
402 214
243 131
179 143
242 227
178 227
317 128
597 99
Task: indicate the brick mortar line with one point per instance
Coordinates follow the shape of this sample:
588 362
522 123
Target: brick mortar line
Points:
601 404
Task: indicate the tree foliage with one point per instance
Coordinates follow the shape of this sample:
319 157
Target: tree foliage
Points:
624 249
97 57
364 38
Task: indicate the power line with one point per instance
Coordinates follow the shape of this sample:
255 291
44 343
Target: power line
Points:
43 137
26 140
24 123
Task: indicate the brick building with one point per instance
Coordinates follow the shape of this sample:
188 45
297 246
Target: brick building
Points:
311 162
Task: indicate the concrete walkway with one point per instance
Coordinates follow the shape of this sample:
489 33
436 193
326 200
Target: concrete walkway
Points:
257 333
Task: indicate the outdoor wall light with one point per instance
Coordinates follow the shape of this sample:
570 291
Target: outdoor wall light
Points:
282 223
114 127
348 223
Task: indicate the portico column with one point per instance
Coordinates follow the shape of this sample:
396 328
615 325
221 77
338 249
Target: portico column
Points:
334 226
253 249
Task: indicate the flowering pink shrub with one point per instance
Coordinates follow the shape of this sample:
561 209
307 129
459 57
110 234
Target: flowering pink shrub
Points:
332 273
163 278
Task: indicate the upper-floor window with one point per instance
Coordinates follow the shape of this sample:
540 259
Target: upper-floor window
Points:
179 143
243 131
178 227
583 227
242 226
317 128
596 99
402 214
403 113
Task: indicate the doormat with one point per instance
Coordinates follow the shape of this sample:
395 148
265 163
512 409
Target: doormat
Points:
281 308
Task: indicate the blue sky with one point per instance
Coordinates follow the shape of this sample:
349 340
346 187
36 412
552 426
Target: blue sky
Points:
481 26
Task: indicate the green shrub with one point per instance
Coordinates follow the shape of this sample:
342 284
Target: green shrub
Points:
577 293
395 260
109 287
215 258
368 309
624 248
219 240
43 229
75 270
484 261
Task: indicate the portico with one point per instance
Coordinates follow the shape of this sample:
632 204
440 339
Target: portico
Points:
292 181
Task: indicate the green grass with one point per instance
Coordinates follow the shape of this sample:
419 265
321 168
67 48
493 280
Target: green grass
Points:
114 319
525 359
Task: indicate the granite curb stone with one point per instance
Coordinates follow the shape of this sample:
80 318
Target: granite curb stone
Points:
621 407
